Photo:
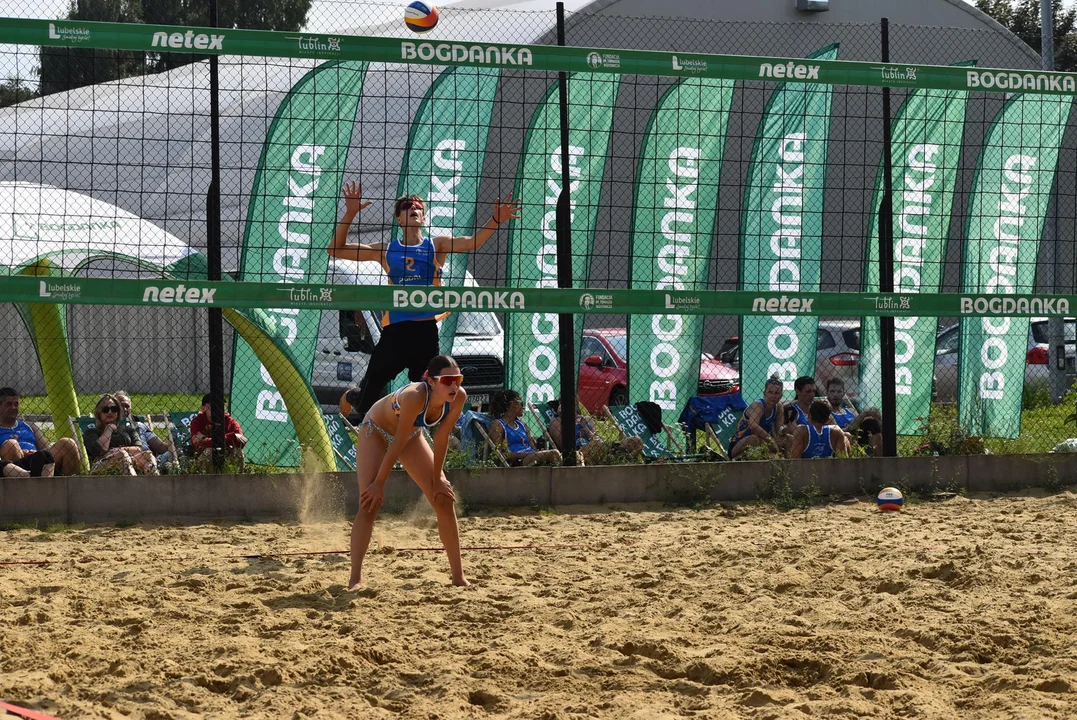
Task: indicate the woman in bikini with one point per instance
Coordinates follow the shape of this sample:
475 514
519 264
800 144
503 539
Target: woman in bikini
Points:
391 431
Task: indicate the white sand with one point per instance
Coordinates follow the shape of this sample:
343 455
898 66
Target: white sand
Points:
966 608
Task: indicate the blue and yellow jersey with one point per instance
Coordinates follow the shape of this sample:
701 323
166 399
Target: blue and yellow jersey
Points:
411 265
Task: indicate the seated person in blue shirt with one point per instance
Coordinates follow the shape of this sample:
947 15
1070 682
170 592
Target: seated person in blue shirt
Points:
588 443
818 438
506 408
761 423
866 427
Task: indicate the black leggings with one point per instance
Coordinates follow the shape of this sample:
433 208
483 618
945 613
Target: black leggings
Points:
35 462
409 345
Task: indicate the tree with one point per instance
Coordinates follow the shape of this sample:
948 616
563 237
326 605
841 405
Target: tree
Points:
67 68
1022 18
13 91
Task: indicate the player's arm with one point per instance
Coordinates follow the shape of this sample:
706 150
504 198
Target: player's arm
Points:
800 442
503 212
339 247
441 435
411 404
752 416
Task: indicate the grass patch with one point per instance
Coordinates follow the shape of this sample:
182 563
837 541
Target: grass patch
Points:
62 527
1043 426
18 526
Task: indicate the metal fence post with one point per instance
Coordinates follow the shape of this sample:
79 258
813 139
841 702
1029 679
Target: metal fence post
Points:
213 257
886 268
565 324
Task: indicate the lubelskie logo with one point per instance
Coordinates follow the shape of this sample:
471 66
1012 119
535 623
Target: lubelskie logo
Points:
179 294
59 291
70 34
687 64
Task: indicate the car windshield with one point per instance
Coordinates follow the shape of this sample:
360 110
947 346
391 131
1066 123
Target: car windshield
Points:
619 343
1039 331
852 338
475 323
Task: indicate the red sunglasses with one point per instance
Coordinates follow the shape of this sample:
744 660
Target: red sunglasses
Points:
450 380
409 204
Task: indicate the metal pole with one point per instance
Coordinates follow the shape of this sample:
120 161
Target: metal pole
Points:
1055 325
565 325
213 258
886 268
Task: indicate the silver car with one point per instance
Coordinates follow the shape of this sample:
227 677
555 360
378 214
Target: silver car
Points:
837 354
1037 372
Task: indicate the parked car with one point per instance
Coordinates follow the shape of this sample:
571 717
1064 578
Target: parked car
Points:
1037 371
604 370
837 354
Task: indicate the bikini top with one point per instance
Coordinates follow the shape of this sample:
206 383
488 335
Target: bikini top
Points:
420 421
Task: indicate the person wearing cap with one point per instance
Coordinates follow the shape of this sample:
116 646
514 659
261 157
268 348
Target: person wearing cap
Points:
409 338
202 436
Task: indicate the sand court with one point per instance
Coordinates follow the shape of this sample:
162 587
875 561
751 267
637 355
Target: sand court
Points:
961 608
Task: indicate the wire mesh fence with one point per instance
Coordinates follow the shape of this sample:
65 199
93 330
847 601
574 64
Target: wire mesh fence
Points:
765 186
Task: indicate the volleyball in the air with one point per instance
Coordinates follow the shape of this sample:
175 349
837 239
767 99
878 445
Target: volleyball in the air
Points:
890 499
421 17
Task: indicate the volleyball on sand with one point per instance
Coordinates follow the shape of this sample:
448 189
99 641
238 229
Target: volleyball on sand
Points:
420 17
890 499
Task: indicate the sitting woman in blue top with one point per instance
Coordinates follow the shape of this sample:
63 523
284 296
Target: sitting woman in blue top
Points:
391 431
818 438
761 423
508 429
588 443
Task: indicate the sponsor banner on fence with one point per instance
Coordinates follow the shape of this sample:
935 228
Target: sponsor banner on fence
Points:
1006 218
187 293
782 228
531 341
290 219
262 43
926 144
672 234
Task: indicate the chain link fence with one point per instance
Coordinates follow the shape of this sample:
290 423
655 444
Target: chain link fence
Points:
772 186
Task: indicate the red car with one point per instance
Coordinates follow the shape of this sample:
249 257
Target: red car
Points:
604 371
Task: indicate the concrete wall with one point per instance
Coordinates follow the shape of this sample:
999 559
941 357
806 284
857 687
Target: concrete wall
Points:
101 499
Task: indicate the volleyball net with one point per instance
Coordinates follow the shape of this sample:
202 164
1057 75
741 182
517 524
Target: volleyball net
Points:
730 217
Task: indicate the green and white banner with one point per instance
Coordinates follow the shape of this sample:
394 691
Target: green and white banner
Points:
926 142
444 51
1006 218
672 234
443 164
782 229
290 220
531 340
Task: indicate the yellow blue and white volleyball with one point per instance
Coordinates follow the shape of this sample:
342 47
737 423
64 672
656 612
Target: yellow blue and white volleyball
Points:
421 17
890 499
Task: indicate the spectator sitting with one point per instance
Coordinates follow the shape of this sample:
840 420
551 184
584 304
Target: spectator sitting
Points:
114 444
149 441
761 423
866 427
506 408
24 445
806 390
588 443
818 438
202 437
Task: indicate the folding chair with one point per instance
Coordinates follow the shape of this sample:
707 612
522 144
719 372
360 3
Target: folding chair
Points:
543 418
717 416
627 420
179 432
343 445
79 426
473 429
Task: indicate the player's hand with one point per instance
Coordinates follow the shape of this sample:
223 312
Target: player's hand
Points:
353 197
442 487
372 497
508 210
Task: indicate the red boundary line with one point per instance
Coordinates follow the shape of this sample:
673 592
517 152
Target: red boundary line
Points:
24 713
